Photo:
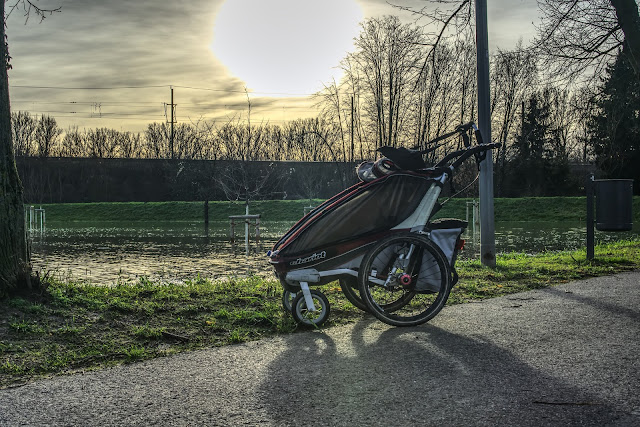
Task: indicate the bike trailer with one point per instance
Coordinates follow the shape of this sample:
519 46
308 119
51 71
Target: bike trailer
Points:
337 233
378 239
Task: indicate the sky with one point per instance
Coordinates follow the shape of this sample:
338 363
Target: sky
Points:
114 63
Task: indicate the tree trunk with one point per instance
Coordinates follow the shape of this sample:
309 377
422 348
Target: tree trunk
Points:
629 20
14 262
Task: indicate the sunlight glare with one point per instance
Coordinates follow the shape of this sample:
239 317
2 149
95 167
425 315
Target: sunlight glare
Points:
284 47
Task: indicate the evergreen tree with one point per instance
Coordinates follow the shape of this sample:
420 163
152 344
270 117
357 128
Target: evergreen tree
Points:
615 124
539 166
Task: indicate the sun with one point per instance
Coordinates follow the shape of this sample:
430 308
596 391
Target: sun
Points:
285 47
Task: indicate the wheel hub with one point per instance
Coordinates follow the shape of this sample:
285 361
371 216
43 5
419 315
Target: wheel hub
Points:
405 279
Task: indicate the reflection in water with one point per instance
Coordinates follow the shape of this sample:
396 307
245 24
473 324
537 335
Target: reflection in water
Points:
174 251
535 237
177 251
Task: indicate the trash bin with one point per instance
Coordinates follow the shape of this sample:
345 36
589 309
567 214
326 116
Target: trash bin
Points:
614 198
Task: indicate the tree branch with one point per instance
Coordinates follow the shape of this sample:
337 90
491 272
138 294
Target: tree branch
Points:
28 7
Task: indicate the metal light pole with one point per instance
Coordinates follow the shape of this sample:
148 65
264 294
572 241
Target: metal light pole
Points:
487 226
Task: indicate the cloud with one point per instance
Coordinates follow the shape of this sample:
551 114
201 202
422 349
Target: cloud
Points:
124 43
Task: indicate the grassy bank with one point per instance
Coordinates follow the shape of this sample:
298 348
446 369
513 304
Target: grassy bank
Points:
520 209
71 327
271 210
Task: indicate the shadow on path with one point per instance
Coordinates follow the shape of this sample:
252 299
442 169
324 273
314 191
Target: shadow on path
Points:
417 376
601 304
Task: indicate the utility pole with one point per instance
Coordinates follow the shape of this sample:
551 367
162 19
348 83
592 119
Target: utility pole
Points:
487 225
352 147
172 107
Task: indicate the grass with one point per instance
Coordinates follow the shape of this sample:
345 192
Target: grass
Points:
519 209
518 272
273 210
542 209
75 326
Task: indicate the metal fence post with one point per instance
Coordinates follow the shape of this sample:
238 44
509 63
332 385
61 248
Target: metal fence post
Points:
589 184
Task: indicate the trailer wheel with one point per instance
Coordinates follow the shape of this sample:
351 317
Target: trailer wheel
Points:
303 316
349 287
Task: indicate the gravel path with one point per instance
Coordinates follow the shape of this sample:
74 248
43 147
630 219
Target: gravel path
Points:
567 355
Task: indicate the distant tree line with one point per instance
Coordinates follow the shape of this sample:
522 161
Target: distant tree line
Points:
309 139
396 92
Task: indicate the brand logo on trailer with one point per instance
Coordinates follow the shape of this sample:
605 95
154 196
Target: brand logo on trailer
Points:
314 257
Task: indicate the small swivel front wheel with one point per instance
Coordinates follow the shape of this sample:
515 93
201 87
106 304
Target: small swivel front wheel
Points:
304 316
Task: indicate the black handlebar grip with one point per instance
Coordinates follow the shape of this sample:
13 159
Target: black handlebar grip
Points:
464 127
464 157
478 136
465 140
472 151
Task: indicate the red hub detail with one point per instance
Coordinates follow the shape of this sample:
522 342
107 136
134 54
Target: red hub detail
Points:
405 280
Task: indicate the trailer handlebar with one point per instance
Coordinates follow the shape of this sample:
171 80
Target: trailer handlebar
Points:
478 149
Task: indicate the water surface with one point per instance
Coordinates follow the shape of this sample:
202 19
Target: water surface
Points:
119 252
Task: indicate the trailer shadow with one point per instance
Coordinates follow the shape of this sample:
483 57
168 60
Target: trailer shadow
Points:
417 376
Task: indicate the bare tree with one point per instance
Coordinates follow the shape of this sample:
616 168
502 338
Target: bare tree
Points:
276 147
386 59
340 104
103 143
577 35
46 136
190 140
130 145
334 110
513 80
444 94
398 100
23 127
561 121
312 140
442 78
467 83
74 143
449 17
157 136
187 142
574 35
240 141
582 107
244 179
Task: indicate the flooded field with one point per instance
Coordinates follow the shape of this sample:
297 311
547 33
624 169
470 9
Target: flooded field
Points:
177 251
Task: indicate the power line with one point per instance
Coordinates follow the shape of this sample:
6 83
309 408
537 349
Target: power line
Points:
86 88
79 116
158 86
131 103
187 106
250 92
126 110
